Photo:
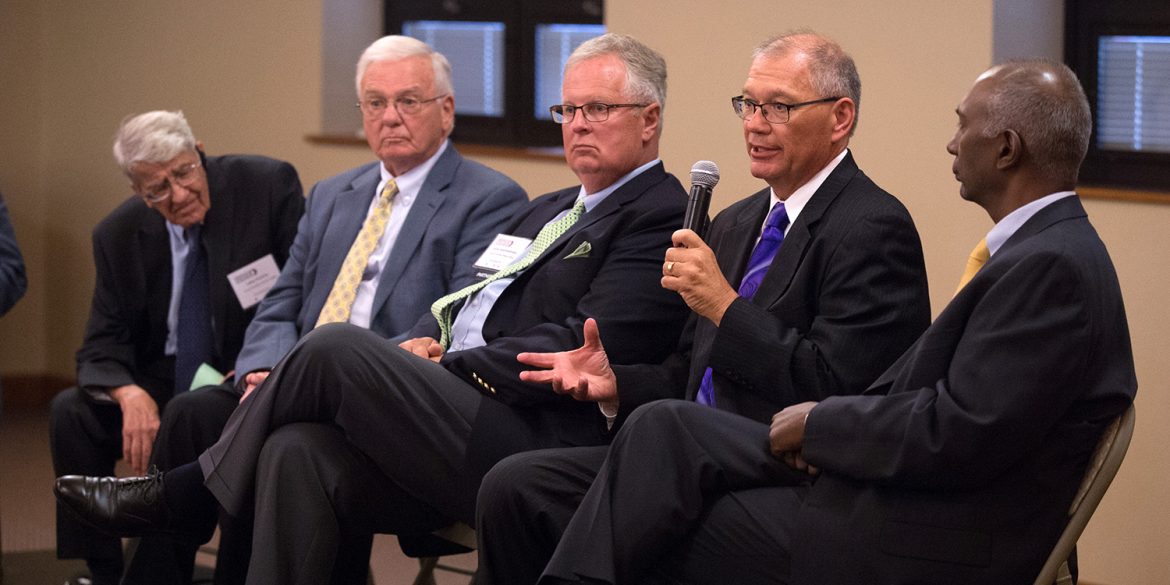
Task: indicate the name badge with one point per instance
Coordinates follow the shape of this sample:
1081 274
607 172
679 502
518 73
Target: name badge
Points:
252 281
504 250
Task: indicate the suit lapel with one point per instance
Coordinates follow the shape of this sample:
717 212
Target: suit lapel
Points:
154 246
345 221
625 194
738 240
791 253
428 201
216 236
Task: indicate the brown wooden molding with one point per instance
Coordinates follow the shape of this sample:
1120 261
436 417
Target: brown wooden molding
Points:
32 391
1119 194
555 154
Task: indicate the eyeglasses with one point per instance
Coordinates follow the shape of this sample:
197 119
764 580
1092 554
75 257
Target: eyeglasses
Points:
184 176
405 106
593 112
774 112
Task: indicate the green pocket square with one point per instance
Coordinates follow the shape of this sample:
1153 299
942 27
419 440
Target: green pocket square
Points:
582 251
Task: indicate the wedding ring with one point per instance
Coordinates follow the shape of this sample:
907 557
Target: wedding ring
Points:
670 267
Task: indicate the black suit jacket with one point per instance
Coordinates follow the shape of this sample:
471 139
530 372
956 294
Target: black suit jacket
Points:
959 464
616 282
255 205
845 295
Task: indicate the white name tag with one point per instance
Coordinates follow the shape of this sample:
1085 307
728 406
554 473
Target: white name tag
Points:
504 250
252 281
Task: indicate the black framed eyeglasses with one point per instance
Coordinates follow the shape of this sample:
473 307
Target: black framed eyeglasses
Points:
374 107
774 112
185 176
593 111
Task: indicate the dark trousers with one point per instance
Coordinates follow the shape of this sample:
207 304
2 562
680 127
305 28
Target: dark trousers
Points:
318 502
408 418
191 422
686 494
86 439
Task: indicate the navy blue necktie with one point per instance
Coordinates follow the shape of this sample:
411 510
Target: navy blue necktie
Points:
193 335
757 267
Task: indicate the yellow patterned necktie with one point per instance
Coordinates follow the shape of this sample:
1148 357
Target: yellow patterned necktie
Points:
443 308
978 257
340 302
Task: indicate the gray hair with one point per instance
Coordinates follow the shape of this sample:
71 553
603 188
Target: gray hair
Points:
153 137
1043 101
832 71
398 47
645 67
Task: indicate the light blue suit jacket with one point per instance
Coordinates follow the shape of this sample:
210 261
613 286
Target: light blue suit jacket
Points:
459 210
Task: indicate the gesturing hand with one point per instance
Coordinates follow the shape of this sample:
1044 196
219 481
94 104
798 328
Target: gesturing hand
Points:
582 373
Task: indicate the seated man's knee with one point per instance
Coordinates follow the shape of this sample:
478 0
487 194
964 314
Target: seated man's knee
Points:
503 485
334 344
67 411
289 443
181 406
659 414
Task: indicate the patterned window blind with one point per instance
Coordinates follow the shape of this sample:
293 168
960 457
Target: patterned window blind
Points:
1133 94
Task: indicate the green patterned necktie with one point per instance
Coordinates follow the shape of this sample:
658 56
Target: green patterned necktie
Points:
443 307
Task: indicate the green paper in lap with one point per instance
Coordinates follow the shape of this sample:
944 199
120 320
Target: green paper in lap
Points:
206 376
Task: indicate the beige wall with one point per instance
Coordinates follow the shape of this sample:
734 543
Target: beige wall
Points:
247 75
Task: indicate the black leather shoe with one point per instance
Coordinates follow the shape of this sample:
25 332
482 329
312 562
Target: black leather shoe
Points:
126 507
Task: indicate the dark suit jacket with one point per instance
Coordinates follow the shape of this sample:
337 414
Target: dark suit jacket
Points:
255 204
845 295
959 464
544 309
461 206
12 279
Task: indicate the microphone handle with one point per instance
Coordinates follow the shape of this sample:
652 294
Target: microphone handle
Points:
697 206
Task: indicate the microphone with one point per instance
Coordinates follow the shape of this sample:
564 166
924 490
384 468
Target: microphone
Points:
704 176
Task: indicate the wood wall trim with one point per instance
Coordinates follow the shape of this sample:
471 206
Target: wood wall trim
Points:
555 153
32 391
1118 194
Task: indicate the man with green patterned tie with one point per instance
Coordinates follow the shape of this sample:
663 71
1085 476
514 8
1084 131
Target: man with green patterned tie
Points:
406 440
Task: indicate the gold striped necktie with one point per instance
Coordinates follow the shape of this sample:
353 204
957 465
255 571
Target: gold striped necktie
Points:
340 301
978 257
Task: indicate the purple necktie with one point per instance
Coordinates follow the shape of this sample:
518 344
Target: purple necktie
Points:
757 267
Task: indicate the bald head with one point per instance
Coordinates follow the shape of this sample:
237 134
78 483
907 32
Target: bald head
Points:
1043 102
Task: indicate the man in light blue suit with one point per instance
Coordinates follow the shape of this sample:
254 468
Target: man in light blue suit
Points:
352 262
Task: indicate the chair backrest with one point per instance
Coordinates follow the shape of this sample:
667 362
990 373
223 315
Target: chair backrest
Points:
1102 468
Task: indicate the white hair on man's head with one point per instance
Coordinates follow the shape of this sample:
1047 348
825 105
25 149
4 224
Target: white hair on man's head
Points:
645 67
153 137
397 47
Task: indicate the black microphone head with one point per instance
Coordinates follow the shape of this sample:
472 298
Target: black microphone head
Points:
705 173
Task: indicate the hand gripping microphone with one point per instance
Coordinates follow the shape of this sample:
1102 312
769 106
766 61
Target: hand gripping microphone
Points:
704 176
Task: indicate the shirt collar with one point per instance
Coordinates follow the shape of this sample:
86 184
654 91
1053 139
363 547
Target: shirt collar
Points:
410 182
593 199
801 196
1014 220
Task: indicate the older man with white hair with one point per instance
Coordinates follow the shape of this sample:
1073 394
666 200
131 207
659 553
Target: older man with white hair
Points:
352 434
377 244
162 303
